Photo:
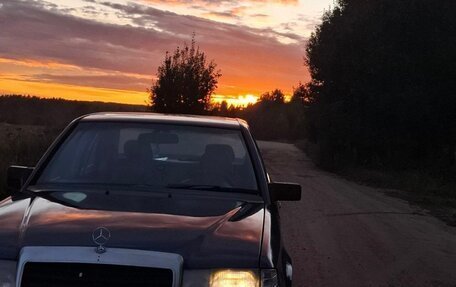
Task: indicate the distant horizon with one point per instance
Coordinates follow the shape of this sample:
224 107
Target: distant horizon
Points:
92 50
68 100
214 102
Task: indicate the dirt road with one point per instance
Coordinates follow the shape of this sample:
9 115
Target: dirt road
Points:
343 234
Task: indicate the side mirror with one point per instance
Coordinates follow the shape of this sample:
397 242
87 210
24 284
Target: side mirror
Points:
16 178
284 191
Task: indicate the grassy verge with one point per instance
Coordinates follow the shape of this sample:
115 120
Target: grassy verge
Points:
22 145
432 190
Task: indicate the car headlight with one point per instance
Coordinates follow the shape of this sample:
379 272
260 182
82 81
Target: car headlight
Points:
230 278
7 273
234 278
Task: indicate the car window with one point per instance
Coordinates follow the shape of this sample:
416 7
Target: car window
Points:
147 154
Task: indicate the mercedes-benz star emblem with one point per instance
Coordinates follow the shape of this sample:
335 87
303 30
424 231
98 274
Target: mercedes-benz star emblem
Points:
100 237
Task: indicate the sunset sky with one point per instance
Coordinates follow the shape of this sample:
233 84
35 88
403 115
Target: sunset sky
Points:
109 50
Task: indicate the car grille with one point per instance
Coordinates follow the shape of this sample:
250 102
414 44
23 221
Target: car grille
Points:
93 275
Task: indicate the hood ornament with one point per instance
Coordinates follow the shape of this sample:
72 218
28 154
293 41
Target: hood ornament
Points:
100 237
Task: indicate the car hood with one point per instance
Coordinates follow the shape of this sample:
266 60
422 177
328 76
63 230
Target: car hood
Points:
207 232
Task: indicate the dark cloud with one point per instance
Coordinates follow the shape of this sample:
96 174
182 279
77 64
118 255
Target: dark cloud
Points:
90 11
259 15
224 14
33 32
30 30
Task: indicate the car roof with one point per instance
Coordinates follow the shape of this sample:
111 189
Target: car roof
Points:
193 120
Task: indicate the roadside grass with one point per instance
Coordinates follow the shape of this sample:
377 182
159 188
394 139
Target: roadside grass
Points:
437 194
432 190
22 145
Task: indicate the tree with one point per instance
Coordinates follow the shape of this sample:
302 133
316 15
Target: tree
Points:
383 83
301 95
224 108
276 96
270 118
185 82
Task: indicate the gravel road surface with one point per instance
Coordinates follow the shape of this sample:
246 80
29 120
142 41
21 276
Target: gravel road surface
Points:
344 234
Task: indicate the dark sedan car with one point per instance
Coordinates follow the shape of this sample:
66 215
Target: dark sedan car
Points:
155 200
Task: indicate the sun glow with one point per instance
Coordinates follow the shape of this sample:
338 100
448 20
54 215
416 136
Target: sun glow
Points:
237 101
71 92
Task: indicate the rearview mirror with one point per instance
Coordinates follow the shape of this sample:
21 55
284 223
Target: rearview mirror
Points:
284 191
16 178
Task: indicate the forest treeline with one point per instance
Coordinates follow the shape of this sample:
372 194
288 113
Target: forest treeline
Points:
272 117
383 89
31 110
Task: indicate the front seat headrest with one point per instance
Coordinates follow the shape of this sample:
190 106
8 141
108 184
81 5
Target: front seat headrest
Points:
132 149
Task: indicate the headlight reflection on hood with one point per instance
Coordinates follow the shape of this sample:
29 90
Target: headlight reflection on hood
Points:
234 278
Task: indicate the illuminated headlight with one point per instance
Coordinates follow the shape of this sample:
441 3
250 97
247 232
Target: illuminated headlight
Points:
234 278
7 273
230 278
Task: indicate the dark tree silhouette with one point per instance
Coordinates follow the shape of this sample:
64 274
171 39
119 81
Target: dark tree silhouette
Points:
301 94
383 85
55 112
270 118
185 82
276 96
224 108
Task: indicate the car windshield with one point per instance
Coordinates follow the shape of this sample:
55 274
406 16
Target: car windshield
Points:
152 155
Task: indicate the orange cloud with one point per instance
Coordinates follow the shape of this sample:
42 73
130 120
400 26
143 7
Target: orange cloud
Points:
36 63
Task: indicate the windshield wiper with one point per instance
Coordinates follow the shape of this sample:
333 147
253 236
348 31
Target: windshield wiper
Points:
209 187
195 186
